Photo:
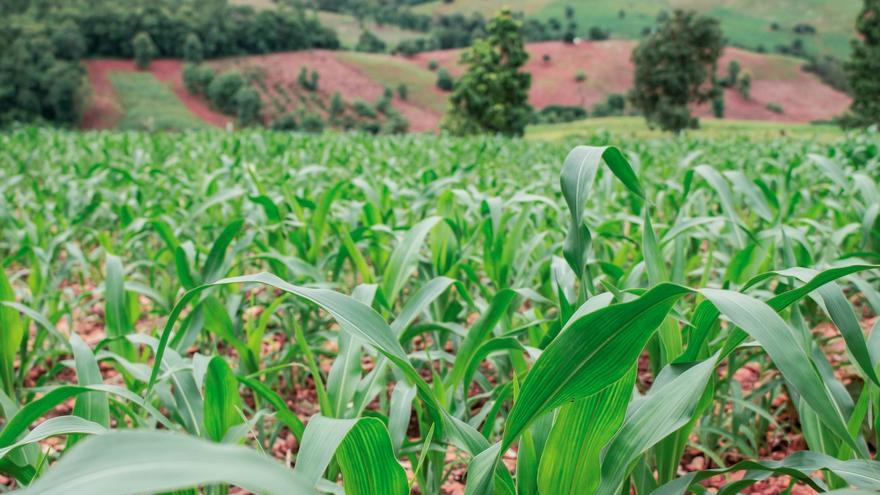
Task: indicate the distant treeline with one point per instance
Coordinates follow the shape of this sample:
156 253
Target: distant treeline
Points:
442 31
108 26
42 41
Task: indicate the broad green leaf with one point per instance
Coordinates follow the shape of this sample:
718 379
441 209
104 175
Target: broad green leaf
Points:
363 450
576 180
129 462
222 402
799 465
61 425
571 461
404 257
595 351
92 406
10 336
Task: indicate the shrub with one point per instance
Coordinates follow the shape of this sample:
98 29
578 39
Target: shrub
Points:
286 122
597 34
383 104
555 114
445 80
369 42
337 107
718 105
396 124
774 107
403 91
432 65
197 78
144 50
370 126
364 109
745 85
614 105
581 76
733 70
193 52
312 123
307 81
222 90
804 28
248 106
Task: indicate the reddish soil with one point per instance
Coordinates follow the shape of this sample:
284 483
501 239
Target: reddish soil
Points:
608 67
606 64
105 110
334 75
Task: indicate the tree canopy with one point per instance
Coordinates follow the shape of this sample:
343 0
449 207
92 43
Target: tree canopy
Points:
676 67
492 95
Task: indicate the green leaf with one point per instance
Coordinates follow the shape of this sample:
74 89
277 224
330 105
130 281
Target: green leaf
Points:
363 450
117 320
92 406
571 461
282 412
222 402
578 173
404 257
10 336
214 265
126 462
61 425
595 351
800 465
672 402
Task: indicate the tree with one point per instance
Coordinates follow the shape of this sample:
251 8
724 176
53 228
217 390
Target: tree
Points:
864 65
193 52
222 90
745 85
337 107
673 67
492 95
248 106
733 70
68 41
34 84
144 49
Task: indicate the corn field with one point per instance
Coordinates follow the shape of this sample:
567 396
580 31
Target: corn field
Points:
271 313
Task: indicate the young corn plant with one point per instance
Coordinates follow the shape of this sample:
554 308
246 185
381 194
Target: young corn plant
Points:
496 332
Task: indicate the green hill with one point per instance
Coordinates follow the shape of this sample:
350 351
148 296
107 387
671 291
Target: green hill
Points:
747 23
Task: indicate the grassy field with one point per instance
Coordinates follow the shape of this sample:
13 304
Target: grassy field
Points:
150 105
635 127
349 313
392 71
349 30
745 22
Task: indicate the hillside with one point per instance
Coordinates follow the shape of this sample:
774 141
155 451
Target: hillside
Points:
777 80
746 23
